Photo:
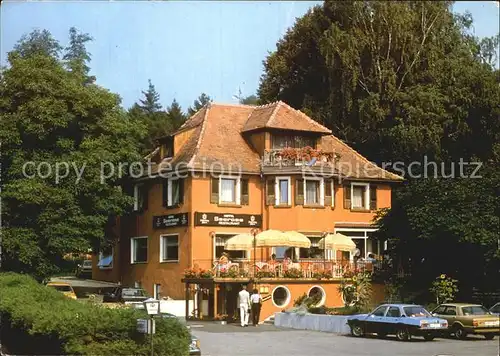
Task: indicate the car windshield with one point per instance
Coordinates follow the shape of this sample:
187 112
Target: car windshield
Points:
474 310
61 288
133 293
417 311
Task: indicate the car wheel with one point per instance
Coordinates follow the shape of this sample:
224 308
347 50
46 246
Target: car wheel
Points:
402 334
489 336
428 337
459 332
357 330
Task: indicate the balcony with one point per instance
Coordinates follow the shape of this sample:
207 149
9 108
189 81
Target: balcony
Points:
298 157
302 269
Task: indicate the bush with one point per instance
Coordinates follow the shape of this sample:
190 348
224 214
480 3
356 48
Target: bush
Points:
39 320
292 273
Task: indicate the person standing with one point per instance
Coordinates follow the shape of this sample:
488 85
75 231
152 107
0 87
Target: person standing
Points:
244 300
256 302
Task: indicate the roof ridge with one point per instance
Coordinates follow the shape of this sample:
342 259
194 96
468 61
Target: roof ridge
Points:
198 144
263 106
362 157
191 118
275 111
233 105
305 116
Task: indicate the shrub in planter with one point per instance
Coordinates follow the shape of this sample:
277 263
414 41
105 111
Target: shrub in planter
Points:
39 320
190 273
264 274
206 274
292 273
322 275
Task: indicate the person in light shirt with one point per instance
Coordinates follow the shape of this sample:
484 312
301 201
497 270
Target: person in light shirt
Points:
244 301
256 302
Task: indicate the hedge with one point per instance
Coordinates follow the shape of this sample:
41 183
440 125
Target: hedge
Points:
36 320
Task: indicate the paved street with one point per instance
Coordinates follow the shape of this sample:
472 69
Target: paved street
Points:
229 340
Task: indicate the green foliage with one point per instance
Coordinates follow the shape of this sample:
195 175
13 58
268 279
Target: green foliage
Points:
356 291
202 100
48 323
250 100
398 81
159 123
307 301
51 114
444 289
292 273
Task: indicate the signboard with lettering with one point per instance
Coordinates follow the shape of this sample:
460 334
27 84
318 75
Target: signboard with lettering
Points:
221 219
172 220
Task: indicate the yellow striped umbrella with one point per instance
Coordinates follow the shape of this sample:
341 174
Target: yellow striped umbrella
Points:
276 238
337 242
239 242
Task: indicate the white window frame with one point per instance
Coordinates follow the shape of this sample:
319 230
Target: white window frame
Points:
333 192
367 195
237 193
169 192
136 196
161 248
277 191
101 255
365 238
321 190
132 239
155 291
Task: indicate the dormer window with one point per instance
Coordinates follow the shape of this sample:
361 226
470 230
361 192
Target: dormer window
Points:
280 141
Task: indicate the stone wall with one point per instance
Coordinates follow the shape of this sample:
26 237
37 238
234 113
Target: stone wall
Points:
328 323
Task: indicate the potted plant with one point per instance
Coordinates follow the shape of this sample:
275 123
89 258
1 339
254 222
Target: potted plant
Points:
190 273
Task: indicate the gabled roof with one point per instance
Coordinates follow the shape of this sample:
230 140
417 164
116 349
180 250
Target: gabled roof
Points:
217 143
279 115
352 164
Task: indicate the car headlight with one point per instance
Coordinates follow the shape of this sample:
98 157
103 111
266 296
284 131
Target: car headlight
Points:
424 324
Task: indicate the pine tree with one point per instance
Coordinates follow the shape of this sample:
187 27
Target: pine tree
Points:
202 100
151 102
175 114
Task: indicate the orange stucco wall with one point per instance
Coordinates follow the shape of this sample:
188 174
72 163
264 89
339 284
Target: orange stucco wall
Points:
197 244
332 295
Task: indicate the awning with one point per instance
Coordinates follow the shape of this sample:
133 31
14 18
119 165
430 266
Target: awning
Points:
105 262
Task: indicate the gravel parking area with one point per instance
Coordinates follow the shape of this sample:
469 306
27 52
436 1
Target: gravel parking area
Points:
231 340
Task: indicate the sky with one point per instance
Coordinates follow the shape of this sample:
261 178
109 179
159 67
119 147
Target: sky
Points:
185 48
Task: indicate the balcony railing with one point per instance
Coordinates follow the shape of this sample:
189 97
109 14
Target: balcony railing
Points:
295 157
304 268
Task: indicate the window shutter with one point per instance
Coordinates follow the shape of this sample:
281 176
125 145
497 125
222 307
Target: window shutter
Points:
270 191
181 190
299 192
165 192
244 192
328 192
214 191
373 197
347 196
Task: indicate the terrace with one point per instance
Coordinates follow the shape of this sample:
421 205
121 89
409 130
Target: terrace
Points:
298 157
284 269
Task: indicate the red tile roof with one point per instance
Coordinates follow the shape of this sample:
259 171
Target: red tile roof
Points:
279 115
217 141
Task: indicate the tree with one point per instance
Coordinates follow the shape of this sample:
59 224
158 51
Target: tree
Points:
175 114
250 100
50 119
151 102
399 81
382 73
202 100
76 53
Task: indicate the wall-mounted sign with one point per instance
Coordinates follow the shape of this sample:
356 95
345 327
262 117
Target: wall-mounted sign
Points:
172 220
221 219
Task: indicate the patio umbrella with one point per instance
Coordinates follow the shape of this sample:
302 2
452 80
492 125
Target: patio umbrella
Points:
276 238
239 242
337 242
